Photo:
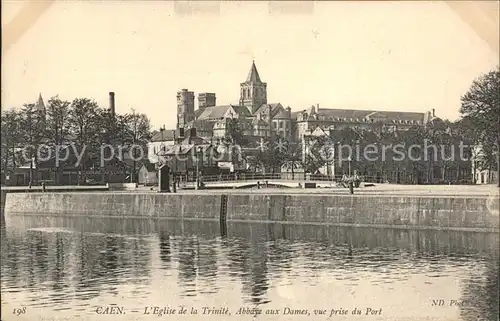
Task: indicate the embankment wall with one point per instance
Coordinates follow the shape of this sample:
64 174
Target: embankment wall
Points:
419 212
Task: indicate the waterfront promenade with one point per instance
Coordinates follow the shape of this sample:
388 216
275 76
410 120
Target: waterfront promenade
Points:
226 187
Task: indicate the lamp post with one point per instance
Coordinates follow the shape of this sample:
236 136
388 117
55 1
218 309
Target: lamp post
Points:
349 166
198 152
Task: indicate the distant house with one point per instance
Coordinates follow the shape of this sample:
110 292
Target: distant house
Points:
148 174
158 143
481 173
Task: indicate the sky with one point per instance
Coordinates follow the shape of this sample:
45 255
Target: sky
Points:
407 56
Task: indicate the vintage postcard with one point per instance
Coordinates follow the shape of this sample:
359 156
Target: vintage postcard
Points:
250 160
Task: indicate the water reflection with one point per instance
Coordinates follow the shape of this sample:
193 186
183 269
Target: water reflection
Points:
60 263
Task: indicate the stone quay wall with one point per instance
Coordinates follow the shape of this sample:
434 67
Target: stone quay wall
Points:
473 213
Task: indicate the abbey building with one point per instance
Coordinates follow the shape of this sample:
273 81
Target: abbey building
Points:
260 118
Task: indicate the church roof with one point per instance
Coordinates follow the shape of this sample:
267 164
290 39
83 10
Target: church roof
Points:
217 112
198 112
253 74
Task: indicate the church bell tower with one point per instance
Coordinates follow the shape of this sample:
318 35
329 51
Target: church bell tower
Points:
253 92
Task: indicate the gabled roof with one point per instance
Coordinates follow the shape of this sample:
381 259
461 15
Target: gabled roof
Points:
218 112
259 122
280 113
253 75
242 111
275 109
150 167
163 136
318 132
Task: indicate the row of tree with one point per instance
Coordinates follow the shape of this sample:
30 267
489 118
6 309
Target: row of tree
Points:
442 160
80 122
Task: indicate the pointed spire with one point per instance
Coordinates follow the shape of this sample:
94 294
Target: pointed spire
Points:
40 104
253 75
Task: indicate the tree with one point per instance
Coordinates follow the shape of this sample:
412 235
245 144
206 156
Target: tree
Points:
235 131
137 134
234 139
58 121
57 126
481 104
10 139
293 157
31 133
84 120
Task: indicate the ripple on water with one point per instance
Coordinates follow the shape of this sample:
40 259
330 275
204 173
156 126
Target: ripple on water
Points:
61 268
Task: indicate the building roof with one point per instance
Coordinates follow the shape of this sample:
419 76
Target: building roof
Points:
218 112
214 112
275 109
253 75
363 114
165 135
181 149
201 125
194 140
242 111
198 112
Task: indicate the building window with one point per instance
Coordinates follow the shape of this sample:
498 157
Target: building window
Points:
274 125
281 124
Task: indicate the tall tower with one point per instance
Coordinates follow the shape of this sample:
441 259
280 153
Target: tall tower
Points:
185 107
206 100
253 92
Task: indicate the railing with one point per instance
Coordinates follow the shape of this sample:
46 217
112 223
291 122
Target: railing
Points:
298 177
243 177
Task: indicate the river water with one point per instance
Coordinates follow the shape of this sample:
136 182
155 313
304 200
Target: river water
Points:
78 269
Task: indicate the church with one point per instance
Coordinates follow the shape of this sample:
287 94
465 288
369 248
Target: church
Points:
257 117
261 119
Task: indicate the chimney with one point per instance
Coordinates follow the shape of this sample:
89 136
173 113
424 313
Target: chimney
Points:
317 109
112 103
289 112
433 113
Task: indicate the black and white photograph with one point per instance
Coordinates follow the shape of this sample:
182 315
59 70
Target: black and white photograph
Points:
250 160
